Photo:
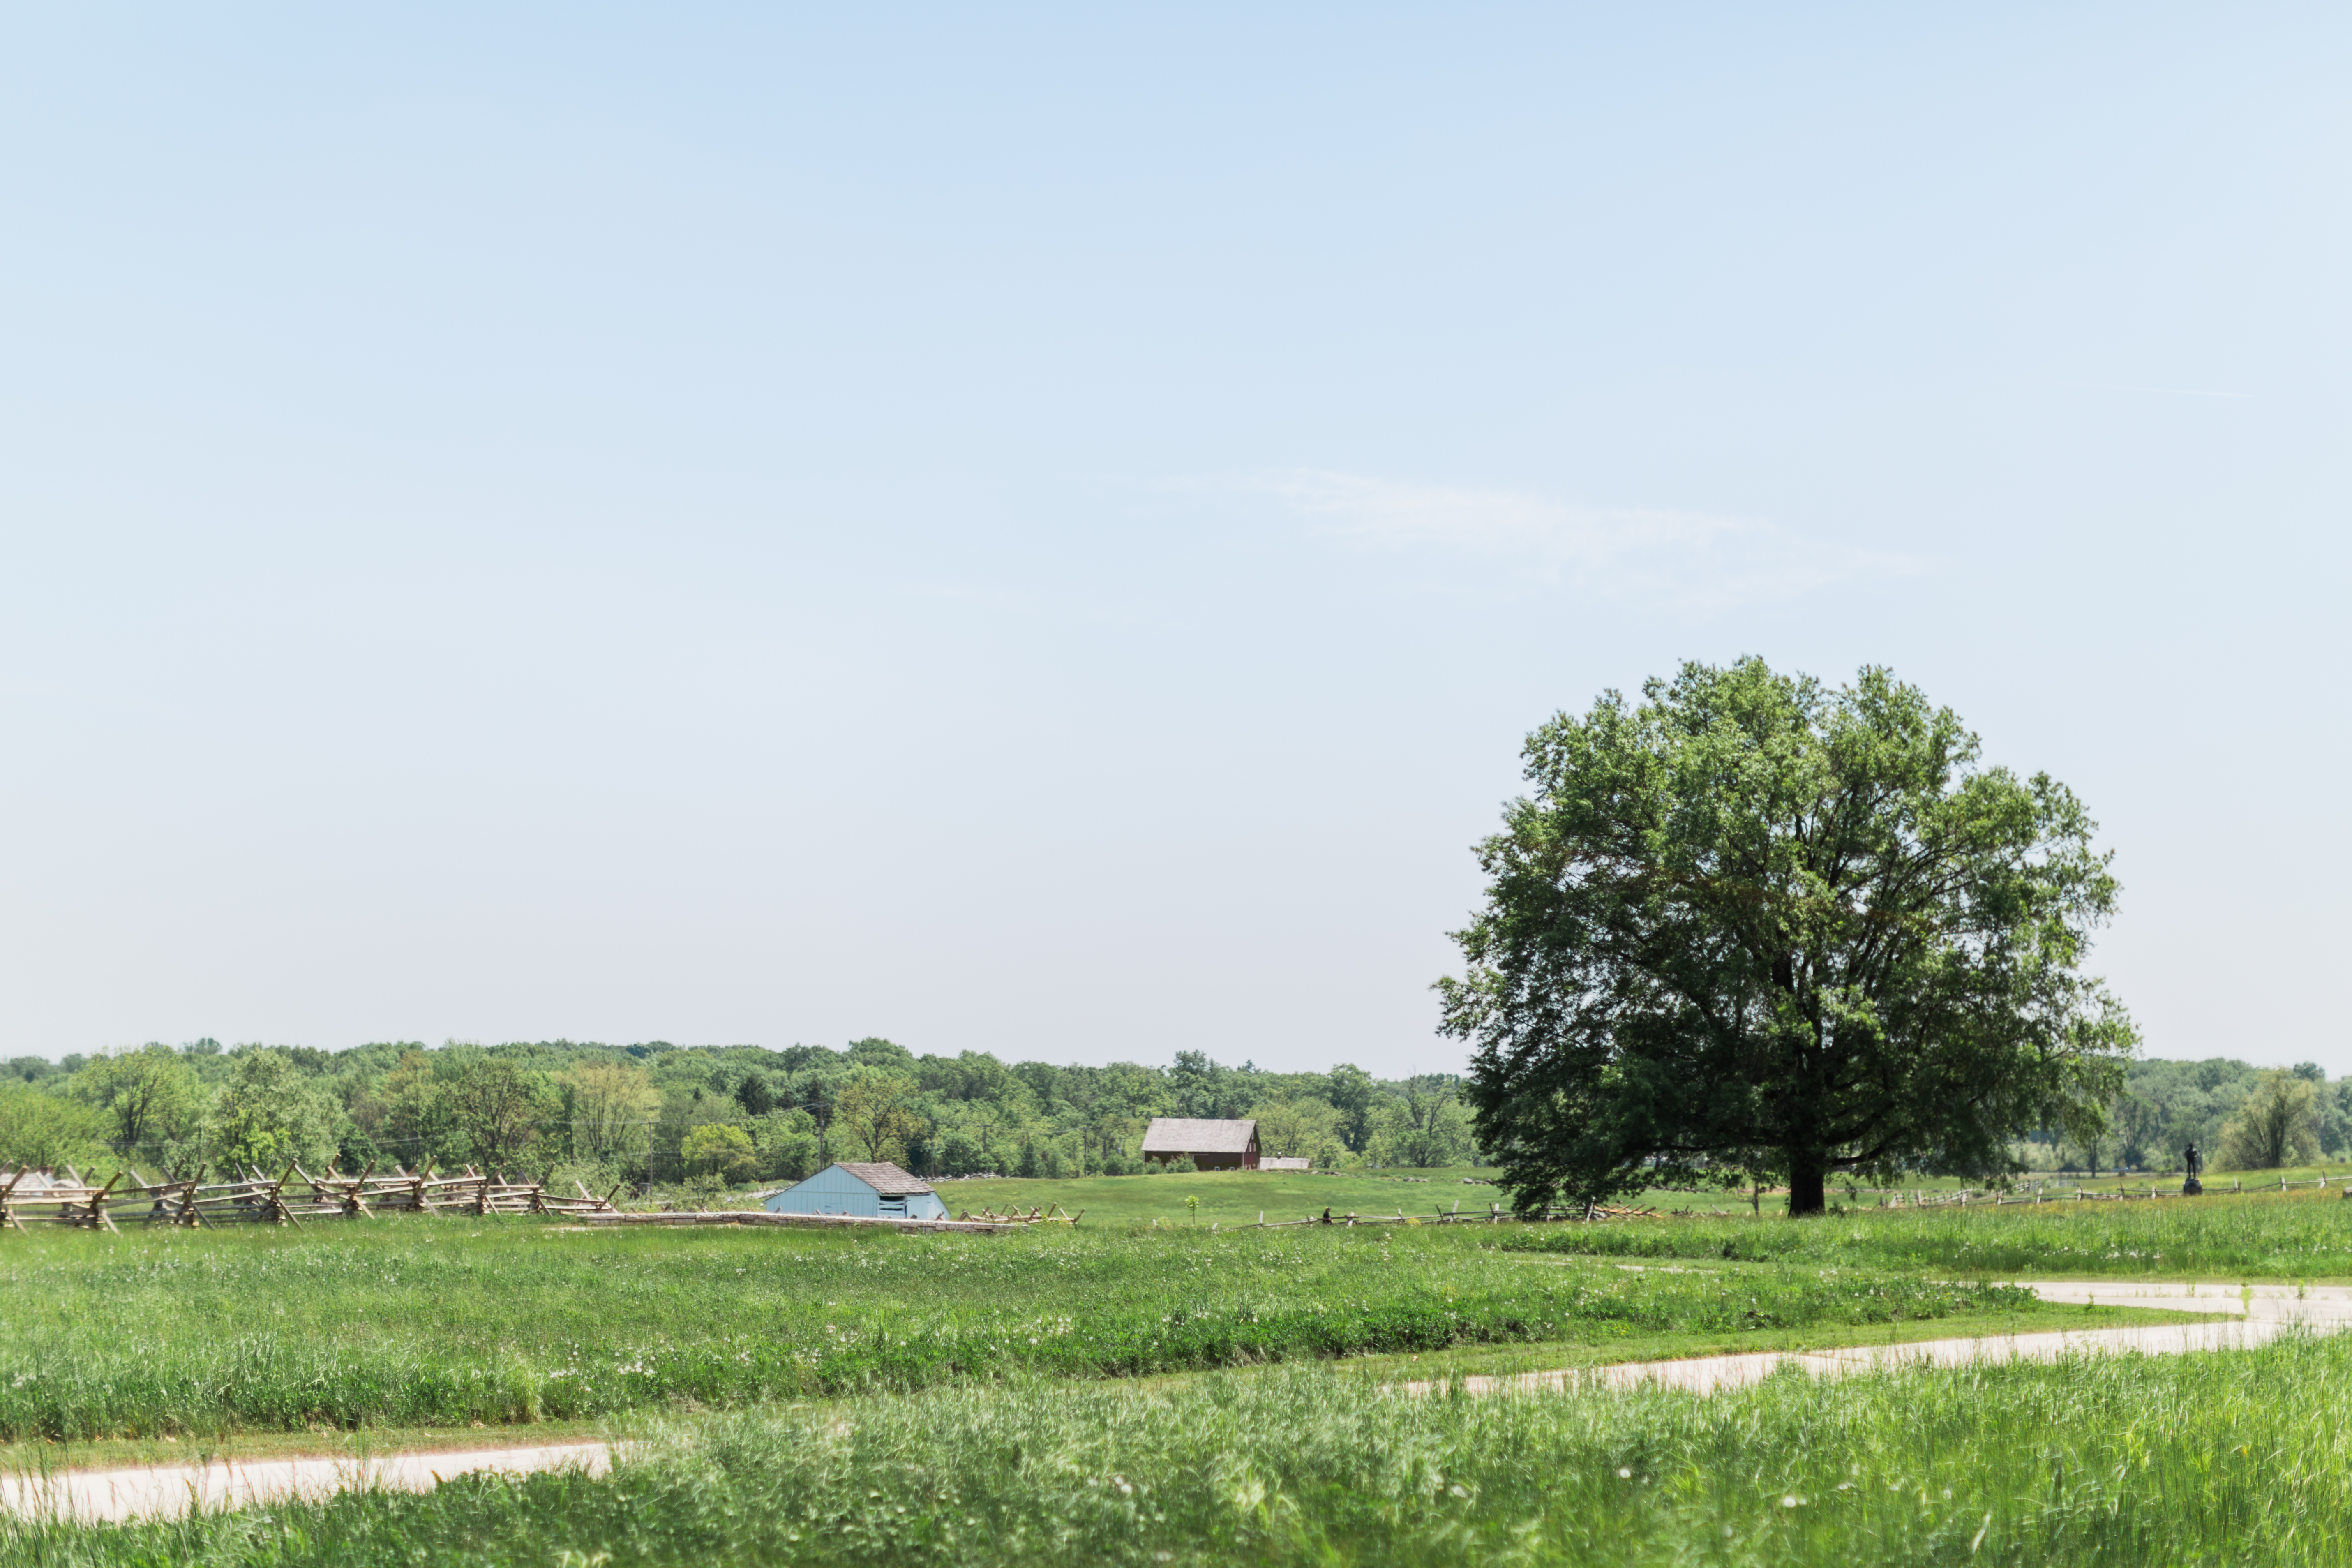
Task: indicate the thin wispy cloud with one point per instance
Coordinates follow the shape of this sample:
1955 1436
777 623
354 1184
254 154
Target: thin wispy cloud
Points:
1692 560
2173 391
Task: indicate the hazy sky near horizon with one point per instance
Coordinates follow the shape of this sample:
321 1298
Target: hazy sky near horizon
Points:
1043 529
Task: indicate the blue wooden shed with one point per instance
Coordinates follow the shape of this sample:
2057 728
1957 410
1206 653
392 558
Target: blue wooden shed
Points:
876 1190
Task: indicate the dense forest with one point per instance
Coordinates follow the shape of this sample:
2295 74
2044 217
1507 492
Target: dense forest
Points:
725 1115
713 1115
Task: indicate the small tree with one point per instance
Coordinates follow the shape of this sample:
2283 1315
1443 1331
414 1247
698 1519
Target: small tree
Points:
2276 1126
755 1095
724 1150
612 1110
1303 1128
874 1107
787 1145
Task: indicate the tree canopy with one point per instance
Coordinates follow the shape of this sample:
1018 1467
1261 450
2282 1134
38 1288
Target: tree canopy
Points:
643 1112
1755 929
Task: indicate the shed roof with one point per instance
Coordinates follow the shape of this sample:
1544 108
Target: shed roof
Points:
885 1178
1199 1135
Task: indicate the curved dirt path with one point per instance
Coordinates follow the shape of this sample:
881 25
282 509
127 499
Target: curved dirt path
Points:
2262 1312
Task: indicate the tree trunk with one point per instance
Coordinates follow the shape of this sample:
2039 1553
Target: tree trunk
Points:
1809 1172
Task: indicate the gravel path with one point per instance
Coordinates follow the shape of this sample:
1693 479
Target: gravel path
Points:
2261 1313
167 1491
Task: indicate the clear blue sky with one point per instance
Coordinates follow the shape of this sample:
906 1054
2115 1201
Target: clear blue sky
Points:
1042 530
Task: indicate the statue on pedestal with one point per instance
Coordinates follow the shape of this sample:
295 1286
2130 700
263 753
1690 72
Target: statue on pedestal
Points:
2192 1161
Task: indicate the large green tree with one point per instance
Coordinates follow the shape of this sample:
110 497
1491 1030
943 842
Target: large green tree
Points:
1351 1093
613 1110
1424 1127
269 1113
501 1107
44 1131
150 1096
876 1109
1754 927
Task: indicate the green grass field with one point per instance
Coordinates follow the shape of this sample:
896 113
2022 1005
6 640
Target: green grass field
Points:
1125 1392
1229 1197
411 1322
2243 1458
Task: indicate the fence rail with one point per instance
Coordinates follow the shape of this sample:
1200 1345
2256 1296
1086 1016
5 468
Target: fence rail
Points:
1965 1199
1495 1214
291 1197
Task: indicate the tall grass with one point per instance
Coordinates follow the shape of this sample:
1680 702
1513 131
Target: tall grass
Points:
2291 1237
427 1323
2234 1458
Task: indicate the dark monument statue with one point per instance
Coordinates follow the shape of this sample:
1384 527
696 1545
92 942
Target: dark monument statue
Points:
2192 1163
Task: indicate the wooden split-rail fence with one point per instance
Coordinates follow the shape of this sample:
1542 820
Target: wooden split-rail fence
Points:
1059 1216
1495 1214
1968 1199
291 1197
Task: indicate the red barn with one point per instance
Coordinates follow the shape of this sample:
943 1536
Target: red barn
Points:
1213 1146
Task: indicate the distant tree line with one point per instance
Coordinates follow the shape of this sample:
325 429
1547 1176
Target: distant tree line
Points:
661 1113
2240 1117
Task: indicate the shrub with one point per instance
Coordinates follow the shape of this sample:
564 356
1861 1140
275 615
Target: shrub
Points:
722 1150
